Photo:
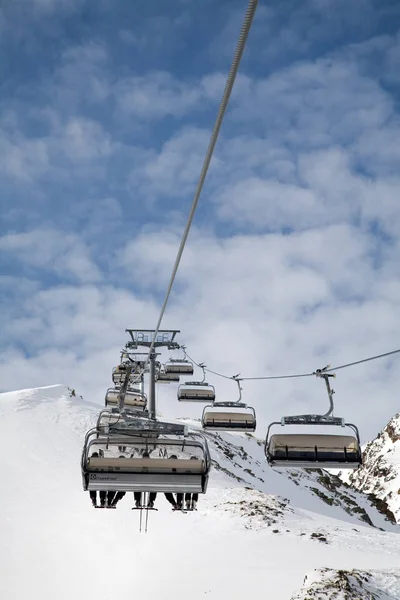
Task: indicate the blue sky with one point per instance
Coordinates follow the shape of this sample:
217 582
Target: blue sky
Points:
106 112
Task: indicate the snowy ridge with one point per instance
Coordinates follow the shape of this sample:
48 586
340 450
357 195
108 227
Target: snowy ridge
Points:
380 472
331 584
269 527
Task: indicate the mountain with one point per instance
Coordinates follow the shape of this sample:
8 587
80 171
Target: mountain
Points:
379 476
256 531
331 584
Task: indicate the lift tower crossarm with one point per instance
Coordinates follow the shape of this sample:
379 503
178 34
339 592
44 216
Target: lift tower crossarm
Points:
144 337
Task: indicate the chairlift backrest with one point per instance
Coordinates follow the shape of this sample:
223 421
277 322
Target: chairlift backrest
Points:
163 376
138 471
193 391
179 367
131 398
229 416
309 450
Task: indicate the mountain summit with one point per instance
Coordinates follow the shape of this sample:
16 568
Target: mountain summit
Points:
379 476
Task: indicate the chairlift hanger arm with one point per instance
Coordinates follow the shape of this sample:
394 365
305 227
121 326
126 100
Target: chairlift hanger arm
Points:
236 378
203 368
325 375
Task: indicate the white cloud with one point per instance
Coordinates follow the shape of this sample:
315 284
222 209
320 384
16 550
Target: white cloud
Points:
311 147
314 103
48 6
176 168
23 159
61 253
156 94
79 143
269 304
83 139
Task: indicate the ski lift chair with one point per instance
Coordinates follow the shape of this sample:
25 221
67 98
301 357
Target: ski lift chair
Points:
162 376
133 398
229 416
196 391
314 451
178 367
137 472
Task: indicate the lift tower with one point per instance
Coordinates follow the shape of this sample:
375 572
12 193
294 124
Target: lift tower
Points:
145 337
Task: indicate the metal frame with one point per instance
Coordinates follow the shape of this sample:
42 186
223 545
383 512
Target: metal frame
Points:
169 368
231 425
197 398
121 417
165 337
313 419
145 481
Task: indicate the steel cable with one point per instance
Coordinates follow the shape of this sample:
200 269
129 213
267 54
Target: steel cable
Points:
248 19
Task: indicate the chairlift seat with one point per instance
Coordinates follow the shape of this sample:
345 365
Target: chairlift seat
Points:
196 392
186 473
243 420
176 483
313 451
179 367
163 376
131 398
147 475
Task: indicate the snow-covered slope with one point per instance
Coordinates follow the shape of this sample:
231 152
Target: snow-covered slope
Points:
256 531
332 584
380 473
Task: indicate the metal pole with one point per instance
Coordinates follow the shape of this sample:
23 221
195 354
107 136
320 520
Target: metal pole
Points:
330 394
152 386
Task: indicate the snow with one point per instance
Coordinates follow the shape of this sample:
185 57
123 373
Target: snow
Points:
380 473
350 585
256 530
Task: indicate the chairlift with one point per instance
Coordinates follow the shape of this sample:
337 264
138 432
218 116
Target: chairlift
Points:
314 451
163 376
179 366
133 398
229 416
196 391
141 458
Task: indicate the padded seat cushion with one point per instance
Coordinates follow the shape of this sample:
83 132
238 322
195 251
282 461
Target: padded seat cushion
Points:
226 417
130 399
308 442
190 392
158 465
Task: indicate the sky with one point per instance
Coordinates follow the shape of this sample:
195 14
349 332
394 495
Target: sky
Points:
106 110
